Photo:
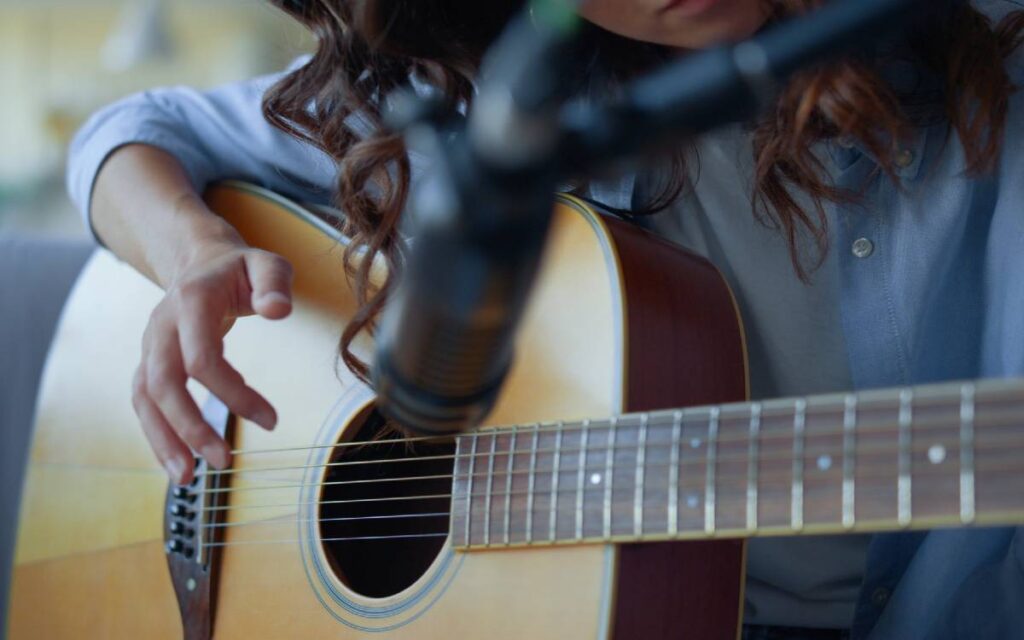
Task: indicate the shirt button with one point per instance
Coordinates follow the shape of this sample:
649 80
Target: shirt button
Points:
863 248
845 142
880 596
904 158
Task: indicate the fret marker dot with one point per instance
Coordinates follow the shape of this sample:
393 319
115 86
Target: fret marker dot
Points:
937 454
692 501
695 443
595 479
824 463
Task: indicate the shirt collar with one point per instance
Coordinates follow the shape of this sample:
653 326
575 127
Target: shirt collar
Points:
907 78
616 193
909 154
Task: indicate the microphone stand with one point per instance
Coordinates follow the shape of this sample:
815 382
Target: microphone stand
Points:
479 221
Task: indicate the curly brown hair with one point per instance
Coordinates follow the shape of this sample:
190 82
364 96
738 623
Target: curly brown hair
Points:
368 49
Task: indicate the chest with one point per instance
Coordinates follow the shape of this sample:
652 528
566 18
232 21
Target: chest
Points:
898 296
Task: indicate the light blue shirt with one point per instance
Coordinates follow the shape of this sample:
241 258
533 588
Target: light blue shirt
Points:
939 295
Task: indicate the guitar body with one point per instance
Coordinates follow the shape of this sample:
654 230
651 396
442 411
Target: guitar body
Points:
620 321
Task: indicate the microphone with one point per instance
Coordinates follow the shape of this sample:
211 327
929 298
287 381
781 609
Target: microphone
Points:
479 222
446 337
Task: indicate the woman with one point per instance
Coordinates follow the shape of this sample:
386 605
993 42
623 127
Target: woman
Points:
872 226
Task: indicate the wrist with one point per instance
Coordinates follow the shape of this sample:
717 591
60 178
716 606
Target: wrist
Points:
204 234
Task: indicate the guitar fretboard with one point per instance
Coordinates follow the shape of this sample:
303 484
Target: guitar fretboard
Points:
919 457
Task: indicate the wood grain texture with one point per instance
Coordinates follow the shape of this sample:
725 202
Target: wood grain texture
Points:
112 582
629 324
686 348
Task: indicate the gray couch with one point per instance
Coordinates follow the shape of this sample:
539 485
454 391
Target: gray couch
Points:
36 275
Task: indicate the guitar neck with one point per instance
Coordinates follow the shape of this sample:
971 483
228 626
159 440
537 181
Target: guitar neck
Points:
921 457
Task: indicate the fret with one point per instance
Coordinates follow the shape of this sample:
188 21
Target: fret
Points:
885 437
673 474
553 515
906 417
967 496
609 467
935 476
797 502
709 477
581 472
509 472
490 490
469 489
849 453
531 480
752 460
638 484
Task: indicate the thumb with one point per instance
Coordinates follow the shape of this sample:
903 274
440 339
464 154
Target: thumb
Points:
270 277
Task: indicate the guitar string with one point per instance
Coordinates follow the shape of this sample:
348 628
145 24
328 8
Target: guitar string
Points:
870 428
279 521
868 488
768 414
863 453
928 471
698 528
873 426
343 539
743 440
223 490
342 445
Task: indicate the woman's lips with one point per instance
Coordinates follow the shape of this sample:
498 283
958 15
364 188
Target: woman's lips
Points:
687 8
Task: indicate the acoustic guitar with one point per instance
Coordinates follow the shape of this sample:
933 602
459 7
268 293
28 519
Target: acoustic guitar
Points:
608 497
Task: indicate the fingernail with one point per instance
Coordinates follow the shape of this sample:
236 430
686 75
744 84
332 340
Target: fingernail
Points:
174 469
265 419
274 297
214 456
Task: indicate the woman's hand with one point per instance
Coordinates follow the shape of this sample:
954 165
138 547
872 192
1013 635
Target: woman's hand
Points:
220 280
145 209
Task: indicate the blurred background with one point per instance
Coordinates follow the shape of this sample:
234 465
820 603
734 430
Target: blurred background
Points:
61 60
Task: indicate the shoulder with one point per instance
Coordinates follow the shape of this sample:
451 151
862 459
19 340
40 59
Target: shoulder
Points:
996 11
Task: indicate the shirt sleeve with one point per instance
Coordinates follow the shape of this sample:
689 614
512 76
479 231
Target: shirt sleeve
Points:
988 604
1003 329
215 135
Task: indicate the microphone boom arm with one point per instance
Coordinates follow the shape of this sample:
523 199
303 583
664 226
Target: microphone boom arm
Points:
479 222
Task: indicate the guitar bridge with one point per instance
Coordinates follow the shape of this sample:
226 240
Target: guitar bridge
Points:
193 535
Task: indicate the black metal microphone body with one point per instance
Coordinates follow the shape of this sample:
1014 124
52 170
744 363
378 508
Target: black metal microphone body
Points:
445 342
477 225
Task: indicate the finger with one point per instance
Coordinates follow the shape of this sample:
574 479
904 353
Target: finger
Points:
270 277
172 453
165 385
202 350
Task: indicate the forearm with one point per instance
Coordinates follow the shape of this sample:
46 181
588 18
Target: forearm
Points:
145 209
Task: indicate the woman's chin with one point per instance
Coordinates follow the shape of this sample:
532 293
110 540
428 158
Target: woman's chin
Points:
680 24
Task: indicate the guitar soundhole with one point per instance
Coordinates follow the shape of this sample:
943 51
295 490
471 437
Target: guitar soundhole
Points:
379 518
